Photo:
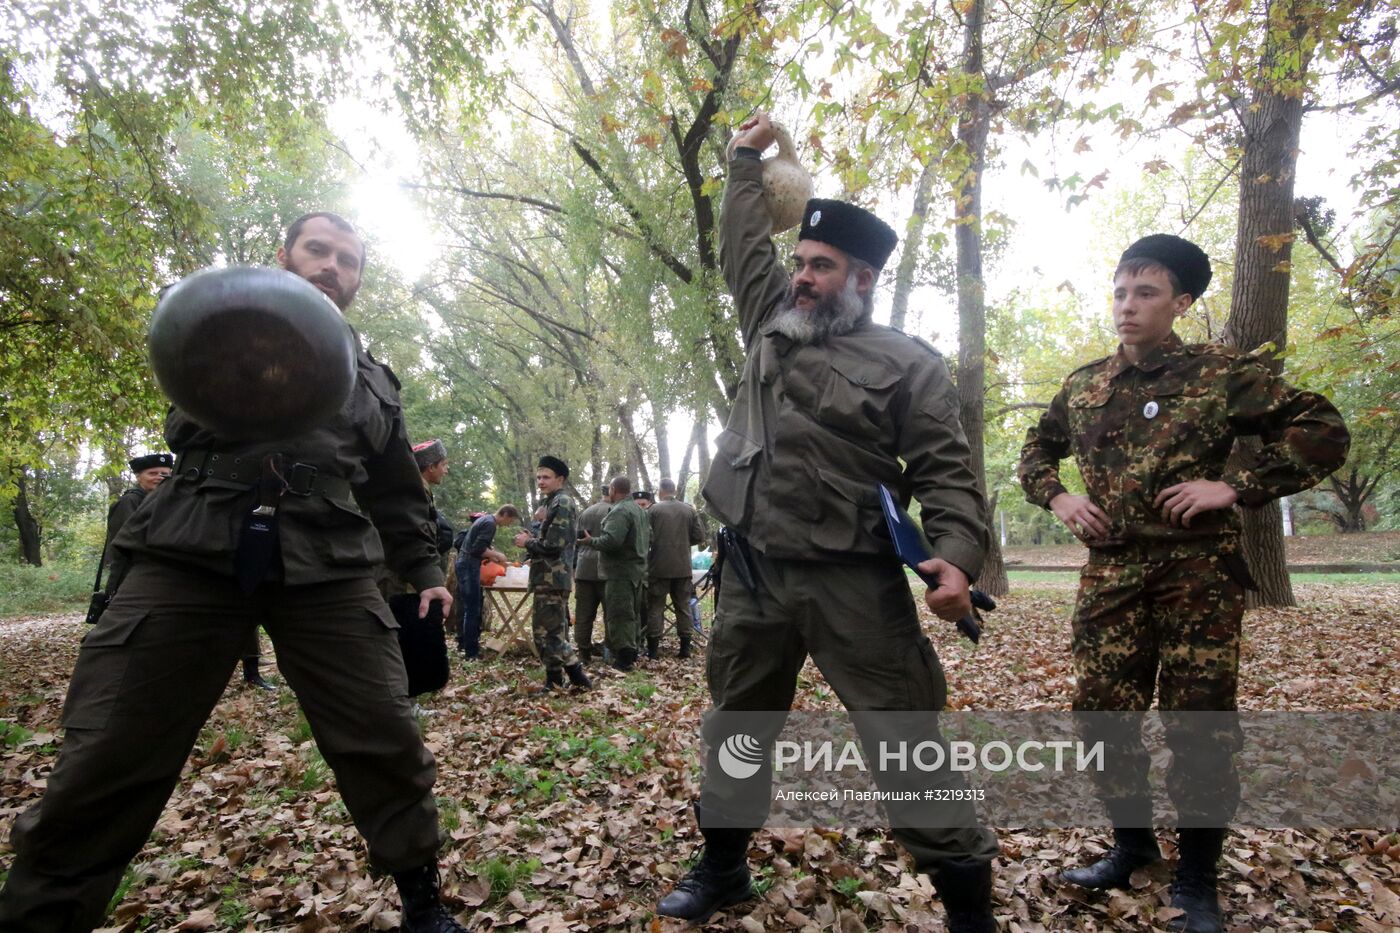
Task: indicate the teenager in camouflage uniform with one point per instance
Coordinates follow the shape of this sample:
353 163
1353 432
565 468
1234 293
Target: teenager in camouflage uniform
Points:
551 551
1162 595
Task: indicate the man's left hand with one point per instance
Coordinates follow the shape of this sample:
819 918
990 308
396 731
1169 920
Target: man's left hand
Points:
521 538
953 598
426 597
1182 502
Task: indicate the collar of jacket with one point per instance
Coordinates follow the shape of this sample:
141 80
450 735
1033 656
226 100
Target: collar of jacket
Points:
783 343
1162 355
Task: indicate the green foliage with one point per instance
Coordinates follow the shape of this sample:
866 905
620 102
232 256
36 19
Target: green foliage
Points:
504 875
30 591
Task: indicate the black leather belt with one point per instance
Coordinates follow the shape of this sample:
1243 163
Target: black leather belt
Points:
303 479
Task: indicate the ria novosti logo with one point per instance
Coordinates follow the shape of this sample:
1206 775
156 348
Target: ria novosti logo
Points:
740 756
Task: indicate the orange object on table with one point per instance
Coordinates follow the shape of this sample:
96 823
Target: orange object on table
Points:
490 570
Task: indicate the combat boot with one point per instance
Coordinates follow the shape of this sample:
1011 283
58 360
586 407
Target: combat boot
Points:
252 678
553 680
624 658
720 879
1194 888
577 677
965 887
653 648
1132 849
685 649
585 653
423 910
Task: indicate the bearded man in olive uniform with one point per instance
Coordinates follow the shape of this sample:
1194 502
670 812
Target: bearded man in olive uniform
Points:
151 670
1161 598
551 553
830 405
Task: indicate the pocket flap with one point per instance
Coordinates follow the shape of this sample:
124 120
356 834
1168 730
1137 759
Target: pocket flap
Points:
861 493
115 626
736 448
1094 396
864 373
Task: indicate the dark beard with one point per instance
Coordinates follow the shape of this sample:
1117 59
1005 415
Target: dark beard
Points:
831 316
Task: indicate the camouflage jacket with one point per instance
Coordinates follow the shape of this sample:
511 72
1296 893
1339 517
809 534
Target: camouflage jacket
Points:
551 550
1136 429
815 428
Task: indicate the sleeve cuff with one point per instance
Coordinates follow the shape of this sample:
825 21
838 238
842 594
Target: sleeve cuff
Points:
747 154
1247 487
1047 495
964 555
424 578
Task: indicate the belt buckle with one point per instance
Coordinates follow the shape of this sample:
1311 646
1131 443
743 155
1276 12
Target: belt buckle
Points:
301 479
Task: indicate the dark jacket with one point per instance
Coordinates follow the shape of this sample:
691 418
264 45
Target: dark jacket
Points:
196 515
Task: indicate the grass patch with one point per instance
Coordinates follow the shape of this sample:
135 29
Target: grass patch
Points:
849 886
301 732
12 733
504 876
26 591
233 911
123 886
317 773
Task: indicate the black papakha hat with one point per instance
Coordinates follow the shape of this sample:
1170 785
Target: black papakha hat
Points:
1187 261
644 494
559 467
428 453
851 229
142 464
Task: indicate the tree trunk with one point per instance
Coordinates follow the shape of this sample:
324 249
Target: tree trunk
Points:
28 527
697 438
973 127
663 446
1272 124
913 242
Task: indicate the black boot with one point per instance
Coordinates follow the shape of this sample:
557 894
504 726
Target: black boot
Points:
553 680
1132 849
653 648
1194 888
585 653
577 677
423 910
624 658
720 879
685 649
252 678
965 887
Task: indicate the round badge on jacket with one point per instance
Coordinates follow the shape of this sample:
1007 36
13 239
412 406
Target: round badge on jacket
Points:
1150 410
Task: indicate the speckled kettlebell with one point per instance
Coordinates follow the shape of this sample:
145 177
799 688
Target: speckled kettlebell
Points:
786 184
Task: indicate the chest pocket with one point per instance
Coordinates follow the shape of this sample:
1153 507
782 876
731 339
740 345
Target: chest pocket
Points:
857 398
1088 417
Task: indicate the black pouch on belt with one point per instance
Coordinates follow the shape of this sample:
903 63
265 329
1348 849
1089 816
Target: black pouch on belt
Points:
257 542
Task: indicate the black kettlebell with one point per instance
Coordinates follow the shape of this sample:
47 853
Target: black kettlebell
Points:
252 353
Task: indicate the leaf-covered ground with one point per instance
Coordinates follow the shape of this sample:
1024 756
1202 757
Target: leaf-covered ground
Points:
1372 547
571 813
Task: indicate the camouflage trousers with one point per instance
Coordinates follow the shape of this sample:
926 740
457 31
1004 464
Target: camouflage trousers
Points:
1173 626
622 606
678 590
550 621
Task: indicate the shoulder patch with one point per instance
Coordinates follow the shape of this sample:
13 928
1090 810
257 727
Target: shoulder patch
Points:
924 345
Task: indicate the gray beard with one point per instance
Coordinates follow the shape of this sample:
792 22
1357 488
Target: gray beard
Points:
831 316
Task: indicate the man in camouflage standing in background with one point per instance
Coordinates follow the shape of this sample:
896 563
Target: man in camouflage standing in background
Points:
623 544
589 581
550 552
1162 595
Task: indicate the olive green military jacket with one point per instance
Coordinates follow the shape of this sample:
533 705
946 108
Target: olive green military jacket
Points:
367 498
814 428
591 521
675 526
624 542
551 551
1137 429
117 515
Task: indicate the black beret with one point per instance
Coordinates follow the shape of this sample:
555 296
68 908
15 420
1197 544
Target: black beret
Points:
644 494
851 229
559 467
150 461
428 453
1187 261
